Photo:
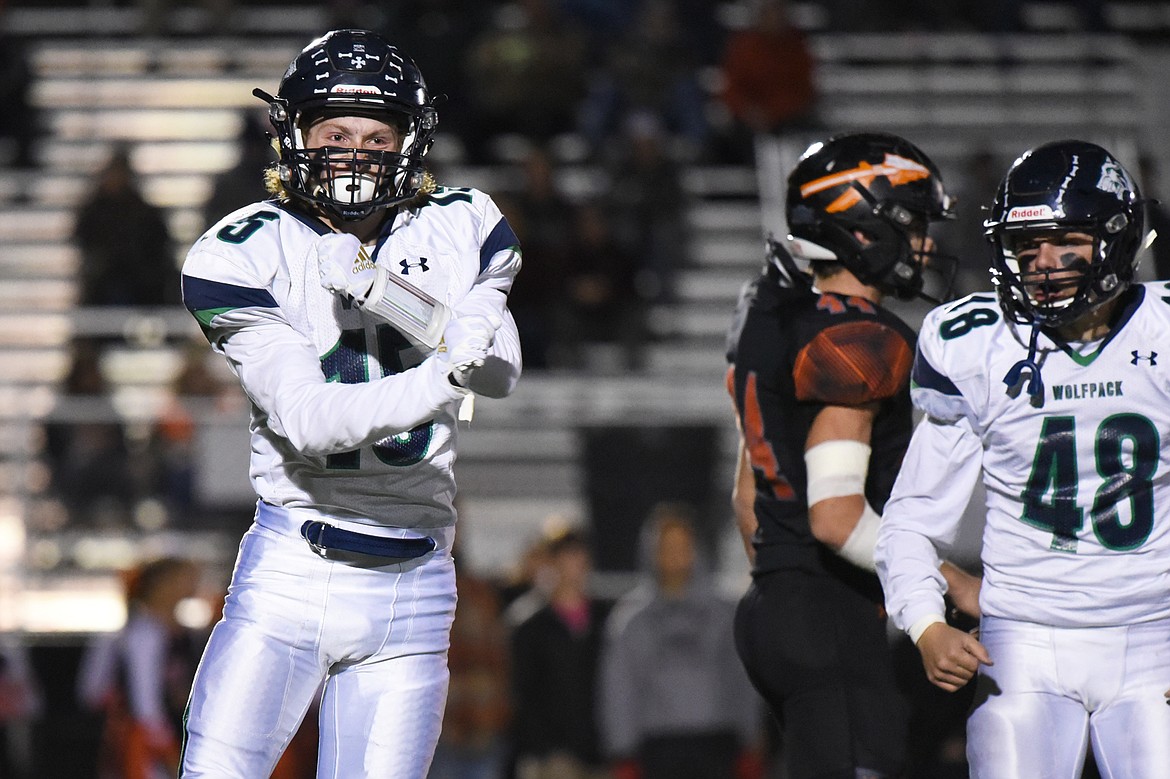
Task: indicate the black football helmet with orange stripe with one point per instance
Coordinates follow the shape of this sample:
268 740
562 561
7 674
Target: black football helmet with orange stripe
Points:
859 199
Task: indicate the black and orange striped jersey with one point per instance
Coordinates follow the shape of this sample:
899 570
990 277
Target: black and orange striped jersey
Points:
793 351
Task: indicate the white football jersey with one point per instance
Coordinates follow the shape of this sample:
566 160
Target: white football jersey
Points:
1078 479
349 417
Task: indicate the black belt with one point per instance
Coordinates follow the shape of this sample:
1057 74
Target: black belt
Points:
323 538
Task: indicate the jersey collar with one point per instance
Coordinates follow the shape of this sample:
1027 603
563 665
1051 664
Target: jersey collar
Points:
1130 300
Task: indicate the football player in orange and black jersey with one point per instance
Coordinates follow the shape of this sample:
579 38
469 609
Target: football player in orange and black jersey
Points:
820 376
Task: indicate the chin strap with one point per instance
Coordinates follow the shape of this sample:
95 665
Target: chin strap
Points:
1035 383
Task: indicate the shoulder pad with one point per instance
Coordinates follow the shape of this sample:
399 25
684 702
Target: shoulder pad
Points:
853 363
241 249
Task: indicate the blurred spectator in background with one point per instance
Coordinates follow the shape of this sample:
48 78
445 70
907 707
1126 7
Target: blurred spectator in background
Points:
437 29
18 117
602 305
21 703
529 581
159 16
600 20
603 21
649 206
475 722
702 30
542 218
127 258
649 69
140 677
768 81
243 183
675 700
524 77
962 236
86 448
194 392
555 655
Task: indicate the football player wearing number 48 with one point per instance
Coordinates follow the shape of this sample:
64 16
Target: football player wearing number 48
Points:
359 307
1053 392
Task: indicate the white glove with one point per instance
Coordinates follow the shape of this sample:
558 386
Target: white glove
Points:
345 267
466 342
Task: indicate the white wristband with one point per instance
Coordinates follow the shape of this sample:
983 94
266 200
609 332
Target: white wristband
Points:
858 548
836 469
916 630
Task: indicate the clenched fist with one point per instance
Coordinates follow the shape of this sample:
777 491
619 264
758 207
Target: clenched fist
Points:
467 340
950 656
345 267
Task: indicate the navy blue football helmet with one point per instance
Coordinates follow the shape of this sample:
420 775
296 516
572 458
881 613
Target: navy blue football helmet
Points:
1064 187
876 184
352 72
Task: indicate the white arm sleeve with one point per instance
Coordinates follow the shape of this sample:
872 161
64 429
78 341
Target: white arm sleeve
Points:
923 516
858 547
281 373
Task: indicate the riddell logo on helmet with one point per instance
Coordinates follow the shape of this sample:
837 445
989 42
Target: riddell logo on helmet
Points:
1023 213
355 89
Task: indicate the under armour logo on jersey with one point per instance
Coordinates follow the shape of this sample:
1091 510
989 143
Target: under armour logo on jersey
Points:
1152 357
407 264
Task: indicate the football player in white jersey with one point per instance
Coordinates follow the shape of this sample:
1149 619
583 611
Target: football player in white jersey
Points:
359 307
1055 393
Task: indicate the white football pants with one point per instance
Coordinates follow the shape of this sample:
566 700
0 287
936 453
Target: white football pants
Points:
377 639
1051 690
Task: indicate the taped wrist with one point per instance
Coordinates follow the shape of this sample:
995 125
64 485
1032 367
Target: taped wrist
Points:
858 548
413 312
916 630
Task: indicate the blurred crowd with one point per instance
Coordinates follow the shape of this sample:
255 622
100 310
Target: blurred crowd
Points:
549 679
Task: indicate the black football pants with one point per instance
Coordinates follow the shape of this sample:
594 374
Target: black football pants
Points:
817 651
